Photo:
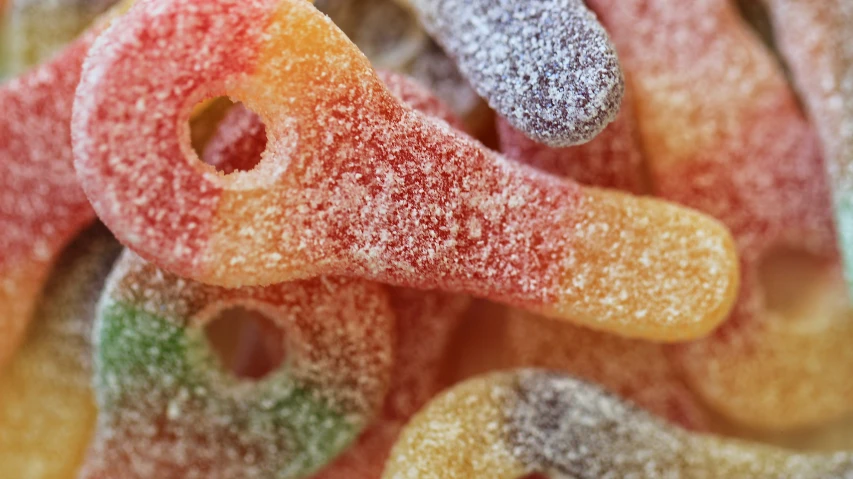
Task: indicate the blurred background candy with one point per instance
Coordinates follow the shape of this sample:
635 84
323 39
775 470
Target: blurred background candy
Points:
36 29
47 410
515 424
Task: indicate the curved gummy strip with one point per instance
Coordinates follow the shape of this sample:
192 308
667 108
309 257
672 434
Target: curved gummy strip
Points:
508 425
41 203
745 154
167 409
816 38
639 371
47 410
352 182
546 66
37 29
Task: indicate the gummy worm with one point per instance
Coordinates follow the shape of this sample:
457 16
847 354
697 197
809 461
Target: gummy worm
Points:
354 183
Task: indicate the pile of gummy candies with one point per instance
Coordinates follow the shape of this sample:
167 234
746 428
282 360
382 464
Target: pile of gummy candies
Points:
437 239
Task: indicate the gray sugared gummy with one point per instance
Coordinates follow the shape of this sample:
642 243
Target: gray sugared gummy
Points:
547 66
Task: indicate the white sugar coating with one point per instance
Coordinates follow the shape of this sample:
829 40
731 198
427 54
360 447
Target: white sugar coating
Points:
814 37
385 32
37 29
691 76
613 159
41 203
168 410
723 133
546 66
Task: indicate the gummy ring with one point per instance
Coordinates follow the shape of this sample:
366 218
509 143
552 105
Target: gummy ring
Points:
354 183
425 320
165 405
509 425
240 138
744 154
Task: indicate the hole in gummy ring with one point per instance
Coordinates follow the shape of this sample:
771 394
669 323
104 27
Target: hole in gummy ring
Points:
227 135
246 342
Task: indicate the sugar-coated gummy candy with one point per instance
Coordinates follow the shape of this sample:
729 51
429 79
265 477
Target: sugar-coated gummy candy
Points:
168 409
36 29
723 133
509 425
354 183
548 67
640 371
816 39
425 320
